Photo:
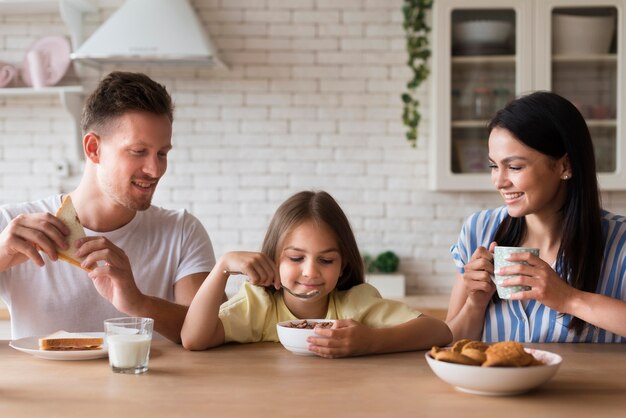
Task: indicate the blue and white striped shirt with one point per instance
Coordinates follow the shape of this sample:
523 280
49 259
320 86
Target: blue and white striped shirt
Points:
531 321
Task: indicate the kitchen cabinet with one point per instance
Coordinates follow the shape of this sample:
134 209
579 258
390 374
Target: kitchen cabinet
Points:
486 52
71 12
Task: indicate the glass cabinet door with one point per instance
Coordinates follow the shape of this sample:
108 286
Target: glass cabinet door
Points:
486 52
482 80
482 58
584 70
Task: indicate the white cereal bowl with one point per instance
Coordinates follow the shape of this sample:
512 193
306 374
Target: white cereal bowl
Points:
294 339
497 381
477 32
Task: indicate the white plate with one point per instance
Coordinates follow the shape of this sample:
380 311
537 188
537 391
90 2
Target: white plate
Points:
497 381
30 345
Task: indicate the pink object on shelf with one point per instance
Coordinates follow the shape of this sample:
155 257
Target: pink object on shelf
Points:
7 74
46 61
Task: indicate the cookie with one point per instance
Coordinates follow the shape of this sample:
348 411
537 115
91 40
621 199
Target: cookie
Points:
507 354
475 354
476 345
450 356
458 346
434 351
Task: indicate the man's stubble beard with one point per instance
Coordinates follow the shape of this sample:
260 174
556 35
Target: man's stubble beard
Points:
118 196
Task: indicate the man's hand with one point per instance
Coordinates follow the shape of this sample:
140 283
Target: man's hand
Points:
26 234
112 274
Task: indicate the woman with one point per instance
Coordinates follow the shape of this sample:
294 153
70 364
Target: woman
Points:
542 163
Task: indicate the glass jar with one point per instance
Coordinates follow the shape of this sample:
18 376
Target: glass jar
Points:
482 102
455 104
501 97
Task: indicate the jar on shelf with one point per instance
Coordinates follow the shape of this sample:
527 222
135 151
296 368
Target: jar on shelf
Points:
501 97
483 102
455 104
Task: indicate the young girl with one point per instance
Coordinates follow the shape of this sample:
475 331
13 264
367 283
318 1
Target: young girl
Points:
542 163
309 246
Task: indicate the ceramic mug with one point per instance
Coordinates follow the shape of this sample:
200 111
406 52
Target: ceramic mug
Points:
499 260
36 69
7 74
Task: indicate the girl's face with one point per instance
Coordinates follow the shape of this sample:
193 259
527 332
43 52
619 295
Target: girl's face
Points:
310 260
530 182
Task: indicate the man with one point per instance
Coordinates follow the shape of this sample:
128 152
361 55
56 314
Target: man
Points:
146 261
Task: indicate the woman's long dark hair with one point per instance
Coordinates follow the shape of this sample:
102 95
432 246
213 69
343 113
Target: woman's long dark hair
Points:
553 126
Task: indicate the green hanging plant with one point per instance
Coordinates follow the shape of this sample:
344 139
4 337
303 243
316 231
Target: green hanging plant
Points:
417 47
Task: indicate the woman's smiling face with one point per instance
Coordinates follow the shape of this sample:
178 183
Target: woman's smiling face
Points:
530 182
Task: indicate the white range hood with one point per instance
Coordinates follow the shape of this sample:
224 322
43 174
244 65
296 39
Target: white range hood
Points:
150 31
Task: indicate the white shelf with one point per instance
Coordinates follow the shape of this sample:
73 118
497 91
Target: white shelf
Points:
591 59
46 91
470 123
483 59
41 6
601 123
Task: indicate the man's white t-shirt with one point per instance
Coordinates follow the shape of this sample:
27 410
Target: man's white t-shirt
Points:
163 246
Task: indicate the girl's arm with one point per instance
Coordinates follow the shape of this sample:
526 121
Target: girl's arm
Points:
351 338
203 328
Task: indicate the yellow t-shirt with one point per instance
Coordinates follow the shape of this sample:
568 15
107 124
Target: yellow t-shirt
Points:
252 314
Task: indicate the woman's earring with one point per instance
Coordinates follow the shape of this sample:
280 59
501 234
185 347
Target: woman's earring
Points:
565 177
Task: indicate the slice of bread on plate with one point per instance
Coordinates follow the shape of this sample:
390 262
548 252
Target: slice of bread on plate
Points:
66 341
67 214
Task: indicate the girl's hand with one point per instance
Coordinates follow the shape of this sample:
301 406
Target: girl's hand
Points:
346 338
546 285
477 276
259 268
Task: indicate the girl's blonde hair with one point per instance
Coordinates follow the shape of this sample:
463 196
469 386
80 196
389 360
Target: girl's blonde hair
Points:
323 209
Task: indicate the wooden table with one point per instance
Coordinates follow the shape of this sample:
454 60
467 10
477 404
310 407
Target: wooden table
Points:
265 380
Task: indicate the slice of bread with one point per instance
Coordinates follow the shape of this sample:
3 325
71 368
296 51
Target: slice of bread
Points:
65 341
67 214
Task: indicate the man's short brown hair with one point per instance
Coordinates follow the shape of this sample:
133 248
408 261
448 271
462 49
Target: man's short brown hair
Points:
122 92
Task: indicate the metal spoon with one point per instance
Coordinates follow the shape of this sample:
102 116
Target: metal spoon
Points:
307 295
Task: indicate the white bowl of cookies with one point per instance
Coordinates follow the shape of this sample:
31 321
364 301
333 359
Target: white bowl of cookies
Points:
500 369
293 334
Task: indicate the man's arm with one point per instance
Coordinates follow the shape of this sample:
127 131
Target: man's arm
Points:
168 316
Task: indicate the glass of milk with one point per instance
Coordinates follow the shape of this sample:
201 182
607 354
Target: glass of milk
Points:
129 343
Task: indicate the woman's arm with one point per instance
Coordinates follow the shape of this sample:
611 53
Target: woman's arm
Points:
351 338
548 288
470 296
466 316
203 328
599 310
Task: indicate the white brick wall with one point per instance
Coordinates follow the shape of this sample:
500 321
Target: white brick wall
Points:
311 100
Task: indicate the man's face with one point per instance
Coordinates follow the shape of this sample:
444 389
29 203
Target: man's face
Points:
133 157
